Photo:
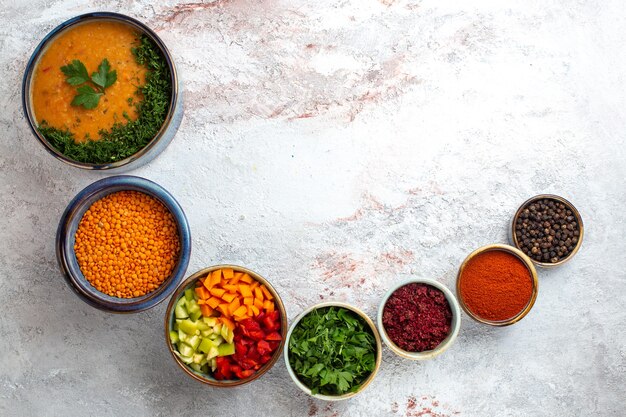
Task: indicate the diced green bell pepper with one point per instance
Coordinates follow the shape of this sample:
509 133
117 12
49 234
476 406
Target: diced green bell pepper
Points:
194 342
206 345
180 312
188 327
185 349
226 349
195 315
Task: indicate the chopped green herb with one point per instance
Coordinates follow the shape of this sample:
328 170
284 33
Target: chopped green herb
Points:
123 139
332 351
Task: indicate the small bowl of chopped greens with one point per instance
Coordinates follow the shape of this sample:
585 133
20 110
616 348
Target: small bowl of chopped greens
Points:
225 326
333 351
101 92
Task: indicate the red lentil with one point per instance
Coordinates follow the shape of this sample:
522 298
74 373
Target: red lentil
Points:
127 244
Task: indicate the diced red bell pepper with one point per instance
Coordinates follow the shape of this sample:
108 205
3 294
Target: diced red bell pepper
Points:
241 350
265 359
257 335
223 367
274 315
269 324
274 345
248 363
246 373
274 336
249 325
253 354
263 347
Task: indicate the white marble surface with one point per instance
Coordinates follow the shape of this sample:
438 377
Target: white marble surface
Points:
336 147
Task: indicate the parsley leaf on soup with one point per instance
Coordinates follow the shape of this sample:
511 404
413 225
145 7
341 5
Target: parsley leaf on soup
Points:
104 78
75 73
86 97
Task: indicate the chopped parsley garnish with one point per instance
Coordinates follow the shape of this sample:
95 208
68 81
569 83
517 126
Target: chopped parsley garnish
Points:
123 139
332 351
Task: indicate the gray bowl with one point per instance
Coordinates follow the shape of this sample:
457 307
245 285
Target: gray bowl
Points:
156 145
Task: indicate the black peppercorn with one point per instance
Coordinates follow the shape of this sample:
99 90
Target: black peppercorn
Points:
547 230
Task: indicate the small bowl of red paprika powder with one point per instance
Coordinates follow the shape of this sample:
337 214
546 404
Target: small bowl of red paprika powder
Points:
419 318
497 285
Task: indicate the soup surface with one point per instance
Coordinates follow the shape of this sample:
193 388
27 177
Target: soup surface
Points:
90 43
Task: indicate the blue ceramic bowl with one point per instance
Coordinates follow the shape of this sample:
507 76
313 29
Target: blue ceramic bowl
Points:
162 138
66 233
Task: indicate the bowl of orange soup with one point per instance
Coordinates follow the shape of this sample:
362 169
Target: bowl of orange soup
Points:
101 92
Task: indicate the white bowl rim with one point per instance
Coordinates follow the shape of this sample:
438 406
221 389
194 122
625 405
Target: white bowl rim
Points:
345 305
445 344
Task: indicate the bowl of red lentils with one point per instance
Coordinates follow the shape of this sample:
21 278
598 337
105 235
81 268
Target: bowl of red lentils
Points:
123 244
419 318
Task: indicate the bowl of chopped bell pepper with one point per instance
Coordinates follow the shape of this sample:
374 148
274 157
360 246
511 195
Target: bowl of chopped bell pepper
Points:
225 326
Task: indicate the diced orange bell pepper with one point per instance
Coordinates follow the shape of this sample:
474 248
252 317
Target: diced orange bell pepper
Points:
236 277
258 293
255 310
213 302
228 273
229 297
258 303
247 279
248 301
245 290
230 287
240 312
202 293
217 292
228 323
207 282
206 310
267 293
216 277
223 308
232 307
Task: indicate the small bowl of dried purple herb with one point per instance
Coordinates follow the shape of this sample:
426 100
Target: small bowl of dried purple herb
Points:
419 318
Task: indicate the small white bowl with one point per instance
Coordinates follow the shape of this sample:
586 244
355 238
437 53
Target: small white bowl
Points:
454 326
379 349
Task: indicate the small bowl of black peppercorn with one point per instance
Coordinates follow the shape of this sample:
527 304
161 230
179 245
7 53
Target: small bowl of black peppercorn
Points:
548 229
